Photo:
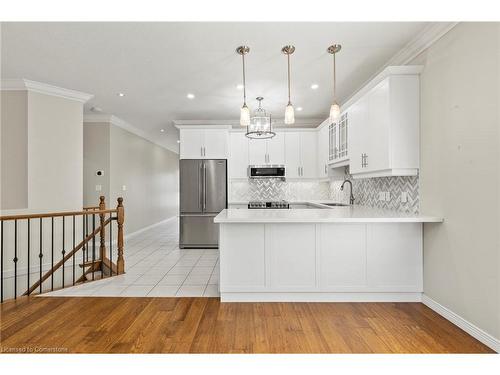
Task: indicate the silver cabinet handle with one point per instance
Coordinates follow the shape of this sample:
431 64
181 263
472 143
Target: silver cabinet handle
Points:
201 151
298 170
325 169
366 160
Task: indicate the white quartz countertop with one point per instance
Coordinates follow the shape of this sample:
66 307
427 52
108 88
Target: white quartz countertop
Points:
347 214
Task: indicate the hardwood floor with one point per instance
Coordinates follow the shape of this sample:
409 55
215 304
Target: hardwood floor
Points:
204 325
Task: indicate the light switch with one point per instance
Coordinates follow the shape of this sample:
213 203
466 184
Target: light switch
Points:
98 187
124 187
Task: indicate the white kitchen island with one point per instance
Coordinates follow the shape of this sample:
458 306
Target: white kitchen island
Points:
353 253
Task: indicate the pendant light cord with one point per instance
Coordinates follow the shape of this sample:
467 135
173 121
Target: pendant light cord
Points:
288 56
244 82
334 78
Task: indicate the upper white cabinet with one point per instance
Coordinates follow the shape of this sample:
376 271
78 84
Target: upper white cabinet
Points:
384 129
267 151
301 154
204 143
323 142
238 155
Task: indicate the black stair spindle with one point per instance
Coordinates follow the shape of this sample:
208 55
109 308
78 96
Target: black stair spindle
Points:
63 252
29 250
93 245
73 249
40 255
84 246
1 261
15 259
86 235
52 252
111 245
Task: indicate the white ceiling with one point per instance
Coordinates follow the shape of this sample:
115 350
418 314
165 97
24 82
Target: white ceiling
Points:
157 64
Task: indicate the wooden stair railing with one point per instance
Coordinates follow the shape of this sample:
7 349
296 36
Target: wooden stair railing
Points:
101 261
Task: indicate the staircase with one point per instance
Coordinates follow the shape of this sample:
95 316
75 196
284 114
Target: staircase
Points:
34 256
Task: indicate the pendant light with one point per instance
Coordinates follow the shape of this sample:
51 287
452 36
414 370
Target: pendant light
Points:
289 112
261 125
335 108
244 112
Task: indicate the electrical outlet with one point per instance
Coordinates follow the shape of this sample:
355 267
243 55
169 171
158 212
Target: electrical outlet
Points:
387 196
404 196
98 187
124 187
381 196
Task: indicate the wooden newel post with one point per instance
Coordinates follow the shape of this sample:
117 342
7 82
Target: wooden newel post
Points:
102 248
120 264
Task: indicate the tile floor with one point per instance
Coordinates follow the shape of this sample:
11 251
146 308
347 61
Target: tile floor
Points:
156 267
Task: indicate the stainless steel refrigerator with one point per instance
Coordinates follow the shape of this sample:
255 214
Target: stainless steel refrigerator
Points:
203 194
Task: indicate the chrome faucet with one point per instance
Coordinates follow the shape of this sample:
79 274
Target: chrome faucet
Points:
351 197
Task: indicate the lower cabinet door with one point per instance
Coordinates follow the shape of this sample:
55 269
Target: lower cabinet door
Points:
242 262
342 256
394 257
292 256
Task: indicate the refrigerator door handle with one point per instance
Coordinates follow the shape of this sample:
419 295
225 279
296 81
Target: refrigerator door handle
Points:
204 186
200 187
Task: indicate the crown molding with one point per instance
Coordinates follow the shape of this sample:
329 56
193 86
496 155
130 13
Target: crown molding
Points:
114 120
427 37
44 88
224 124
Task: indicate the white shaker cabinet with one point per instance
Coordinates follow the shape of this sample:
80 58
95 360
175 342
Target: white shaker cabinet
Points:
203 143
267 151
384 129
300 154
276 149
238 155
323 150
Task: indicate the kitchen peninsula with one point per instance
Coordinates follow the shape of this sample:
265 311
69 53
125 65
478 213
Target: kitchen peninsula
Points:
350 254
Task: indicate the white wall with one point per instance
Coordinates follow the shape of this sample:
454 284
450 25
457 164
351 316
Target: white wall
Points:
149 172
55 153
95 157
151 176
460 172
14 150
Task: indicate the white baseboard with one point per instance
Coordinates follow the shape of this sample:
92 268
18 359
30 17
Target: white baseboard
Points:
462 323
318 297
142 230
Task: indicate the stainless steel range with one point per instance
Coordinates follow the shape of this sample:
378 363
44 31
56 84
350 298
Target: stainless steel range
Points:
270 205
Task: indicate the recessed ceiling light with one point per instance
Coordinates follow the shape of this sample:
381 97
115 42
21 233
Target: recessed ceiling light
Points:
121 94
178 141
162 130
314 86
239 87
299 109
190 96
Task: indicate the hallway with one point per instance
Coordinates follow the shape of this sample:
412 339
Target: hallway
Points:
156 267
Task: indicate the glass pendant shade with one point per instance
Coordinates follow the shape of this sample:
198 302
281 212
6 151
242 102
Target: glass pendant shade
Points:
289 114
244 116
334 112
260 126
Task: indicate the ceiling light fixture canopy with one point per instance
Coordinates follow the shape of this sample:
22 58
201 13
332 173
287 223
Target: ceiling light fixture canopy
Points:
245 111
335 107
289 112
260 126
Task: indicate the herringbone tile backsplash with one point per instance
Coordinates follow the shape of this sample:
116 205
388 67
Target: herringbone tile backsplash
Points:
366 191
